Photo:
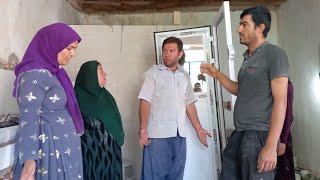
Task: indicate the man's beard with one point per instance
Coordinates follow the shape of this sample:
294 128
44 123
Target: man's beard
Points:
170 64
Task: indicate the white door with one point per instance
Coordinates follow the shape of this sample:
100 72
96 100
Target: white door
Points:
201 161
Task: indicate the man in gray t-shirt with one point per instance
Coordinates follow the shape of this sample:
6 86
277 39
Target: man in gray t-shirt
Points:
254 100
260 107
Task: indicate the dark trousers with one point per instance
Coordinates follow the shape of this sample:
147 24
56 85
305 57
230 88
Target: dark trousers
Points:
164 159
240 157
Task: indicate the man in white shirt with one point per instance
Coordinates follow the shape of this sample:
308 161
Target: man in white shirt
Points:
166 97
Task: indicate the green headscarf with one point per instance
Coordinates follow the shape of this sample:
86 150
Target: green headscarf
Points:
97 102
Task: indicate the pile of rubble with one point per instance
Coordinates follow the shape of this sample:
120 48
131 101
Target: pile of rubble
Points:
9 64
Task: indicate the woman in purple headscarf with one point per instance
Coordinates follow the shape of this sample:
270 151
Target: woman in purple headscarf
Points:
48 139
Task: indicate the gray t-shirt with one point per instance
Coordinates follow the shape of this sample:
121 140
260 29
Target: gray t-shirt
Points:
254 102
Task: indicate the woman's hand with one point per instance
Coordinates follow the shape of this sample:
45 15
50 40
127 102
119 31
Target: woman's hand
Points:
281 149
28 170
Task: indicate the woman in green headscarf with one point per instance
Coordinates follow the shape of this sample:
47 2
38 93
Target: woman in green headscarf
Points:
103 137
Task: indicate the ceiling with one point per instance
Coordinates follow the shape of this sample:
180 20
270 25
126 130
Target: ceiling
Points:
130 6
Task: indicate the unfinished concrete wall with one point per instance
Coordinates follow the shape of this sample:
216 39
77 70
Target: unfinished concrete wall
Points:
125 51
21 19
299 27
187 19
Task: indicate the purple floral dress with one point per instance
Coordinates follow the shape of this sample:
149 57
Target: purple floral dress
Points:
46 132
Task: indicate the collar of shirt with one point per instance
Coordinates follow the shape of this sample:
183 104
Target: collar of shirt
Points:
246 53
163 67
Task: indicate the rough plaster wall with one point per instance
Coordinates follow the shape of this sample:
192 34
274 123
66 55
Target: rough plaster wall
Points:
164 18
21 19
188 19
4 34
299 27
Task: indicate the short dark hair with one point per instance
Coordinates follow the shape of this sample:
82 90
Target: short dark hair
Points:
259 15
173 40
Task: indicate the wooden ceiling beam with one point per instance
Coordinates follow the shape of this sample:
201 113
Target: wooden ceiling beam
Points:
93 6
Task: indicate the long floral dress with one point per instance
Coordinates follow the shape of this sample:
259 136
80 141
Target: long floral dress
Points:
46 132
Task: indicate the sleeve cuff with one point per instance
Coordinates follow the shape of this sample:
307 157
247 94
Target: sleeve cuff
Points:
192 101
144 98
